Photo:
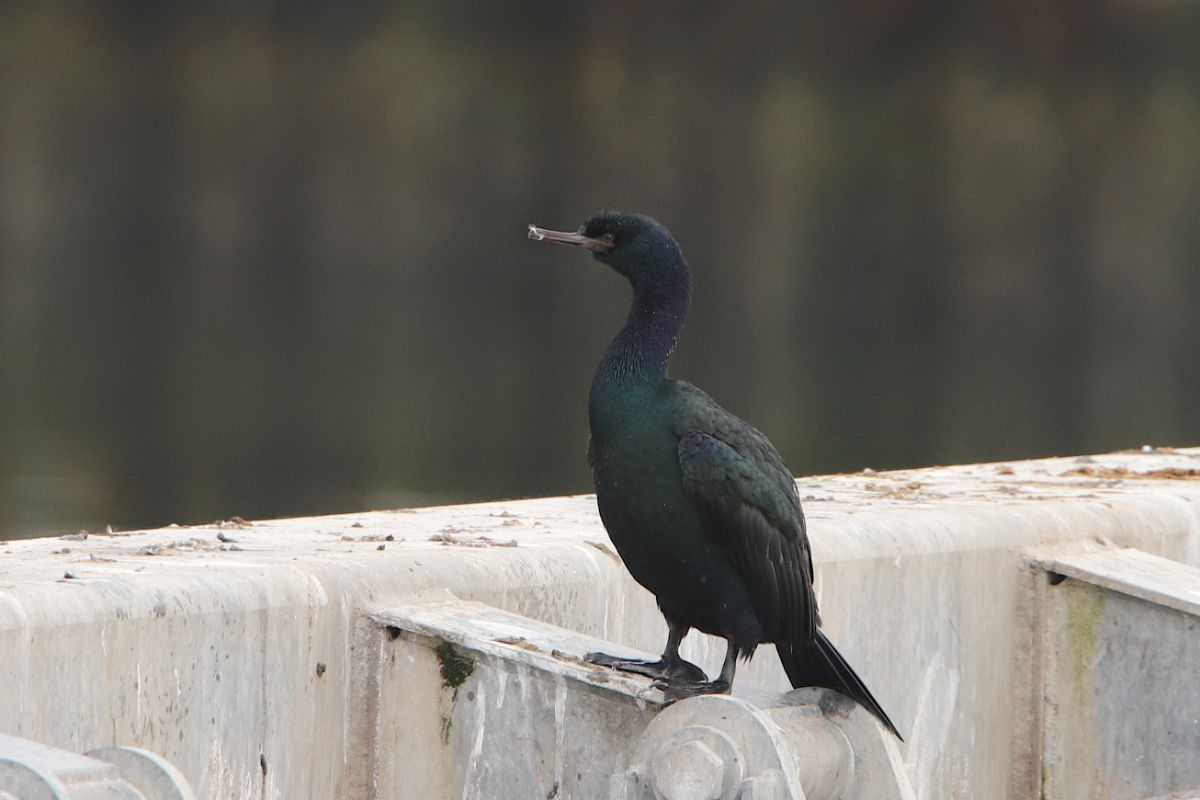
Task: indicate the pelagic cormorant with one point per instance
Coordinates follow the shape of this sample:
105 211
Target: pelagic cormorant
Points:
698 503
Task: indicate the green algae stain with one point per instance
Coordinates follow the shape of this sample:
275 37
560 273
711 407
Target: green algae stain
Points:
456 668
1084 607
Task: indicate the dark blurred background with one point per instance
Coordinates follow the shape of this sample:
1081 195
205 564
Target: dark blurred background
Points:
267 259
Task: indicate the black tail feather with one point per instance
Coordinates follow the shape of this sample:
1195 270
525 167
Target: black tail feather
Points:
818 663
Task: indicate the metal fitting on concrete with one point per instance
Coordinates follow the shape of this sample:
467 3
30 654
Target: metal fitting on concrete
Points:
804 745
696 763
33 771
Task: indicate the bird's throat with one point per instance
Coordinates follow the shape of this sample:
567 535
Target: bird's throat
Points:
639 353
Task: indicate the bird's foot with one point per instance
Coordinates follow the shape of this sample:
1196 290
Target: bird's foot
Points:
661 670
675 690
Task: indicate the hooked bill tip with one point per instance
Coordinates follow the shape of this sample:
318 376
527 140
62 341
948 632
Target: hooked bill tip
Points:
536 234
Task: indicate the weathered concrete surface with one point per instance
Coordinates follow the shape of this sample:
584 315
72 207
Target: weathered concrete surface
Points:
523 714
34 771
1121 676
808 744
245 667
149 773
518 712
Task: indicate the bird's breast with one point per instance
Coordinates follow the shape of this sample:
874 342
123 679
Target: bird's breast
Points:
639 488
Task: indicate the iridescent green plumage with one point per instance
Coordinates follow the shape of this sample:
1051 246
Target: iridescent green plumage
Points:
699 504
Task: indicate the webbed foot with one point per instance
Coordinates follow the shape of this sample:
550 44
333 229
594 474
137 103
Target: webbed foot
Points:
675 690
661 670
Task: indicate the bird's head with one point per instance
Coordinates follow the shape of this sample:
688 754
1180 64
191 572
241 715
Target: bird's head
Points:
634 245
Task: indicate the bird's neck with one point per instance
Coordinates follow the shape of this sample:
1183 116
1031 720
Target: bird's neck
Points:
638 354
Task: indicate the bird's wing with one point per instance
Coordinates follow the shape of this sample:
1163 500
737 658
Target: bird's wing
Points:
750 506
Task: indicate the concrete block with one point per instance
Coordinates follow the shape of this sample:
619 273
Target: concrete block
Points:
498 705
1121 649
519 713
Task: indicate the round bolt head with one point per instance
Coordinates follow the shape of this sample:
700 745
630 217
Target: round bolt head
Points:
687 771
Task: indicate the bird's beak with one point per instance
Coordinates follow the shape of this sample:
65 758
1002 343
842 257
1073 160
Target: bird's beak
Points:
595 245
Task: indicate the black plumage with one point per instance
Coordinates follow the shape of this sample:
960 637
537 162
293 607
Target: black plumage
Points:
699 504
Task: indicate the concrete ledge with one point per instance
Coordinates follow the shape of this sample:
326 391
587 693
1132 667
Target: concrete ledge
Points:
238 651
1157 580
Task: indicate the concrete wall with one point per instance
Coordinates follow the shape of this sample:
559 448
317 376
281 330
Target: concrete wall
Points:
249 663
1120 674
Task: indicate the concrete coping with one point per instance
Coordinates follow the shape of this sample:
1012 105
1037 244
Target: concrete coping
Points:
863 514
1133 572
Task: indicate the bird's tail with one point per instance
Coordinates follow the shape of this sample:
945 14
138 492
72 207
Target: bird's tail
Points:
818 663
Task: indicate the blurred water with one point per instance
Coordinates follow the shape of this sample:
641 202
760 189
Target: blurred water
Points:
269 259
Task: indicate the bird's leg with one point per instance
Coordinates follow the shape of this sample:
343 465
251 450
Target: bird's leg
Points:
679 689
670 667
